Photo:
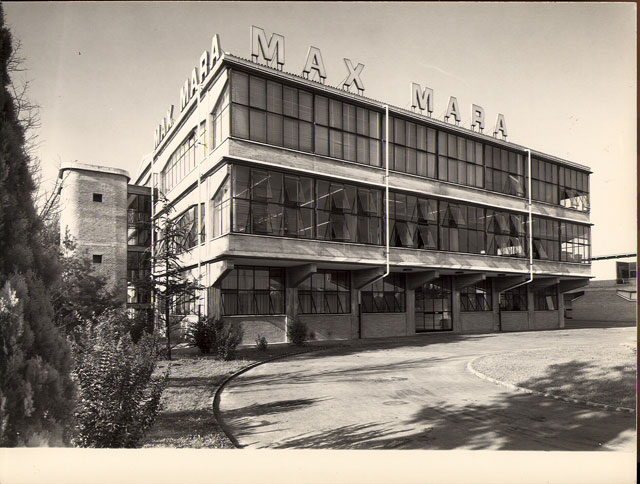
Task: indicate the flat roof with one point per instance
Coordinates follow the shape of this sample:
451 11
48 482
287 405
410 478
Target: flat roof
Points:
75 165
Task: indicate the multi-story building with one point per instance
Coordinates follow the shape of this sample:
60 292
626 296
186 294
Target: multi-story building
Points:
282 181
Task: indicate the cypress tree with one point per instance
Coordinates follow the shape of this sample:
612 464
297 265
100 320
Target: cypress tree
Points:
36 390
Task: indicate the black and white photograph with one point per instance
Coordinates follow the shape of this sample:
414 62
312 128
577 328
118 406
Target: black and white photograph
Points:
318 242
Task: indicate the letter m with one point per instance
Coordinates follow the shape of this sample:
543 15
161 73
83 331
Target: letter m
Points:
421 99
267 49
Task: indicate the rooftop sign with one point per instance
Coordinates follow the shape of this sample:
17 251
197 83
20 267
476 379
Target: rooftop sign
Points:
271 51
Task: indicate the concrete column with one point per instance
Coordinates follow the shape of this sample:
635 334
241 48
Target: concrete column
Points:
530 311
355 300
410 295
455 308
291 308
495 304
560 308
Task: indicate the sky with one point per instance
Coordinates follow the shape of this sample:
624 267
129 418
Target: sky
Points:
562 74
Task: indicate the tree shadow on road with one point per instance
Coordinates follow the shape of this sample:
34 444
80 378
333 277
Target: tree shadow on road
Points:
511 420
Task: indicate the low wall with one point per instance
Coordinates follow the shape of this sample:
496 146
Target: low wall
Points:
327 326
271 327
602 304
476 322
515 320
379 325
545 320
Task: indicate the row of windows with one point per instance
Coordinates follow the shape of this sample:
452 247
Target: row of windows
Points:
268 202
261 290
181 162
274 113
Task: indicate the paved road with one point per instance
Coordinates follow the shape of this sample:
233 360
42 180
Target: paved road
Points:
416 393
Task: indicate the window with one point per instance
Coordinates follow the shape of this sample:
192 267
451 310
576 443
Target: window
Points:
546 239
574 189
546 299
138 271
476 297
220 212
348 213
385 295
461 228
97 259
544 181
181 162
504 171
253 290
413 221
138 219
325 292
220 120
460 160
97 197
575 243
514 299
187 224
625 272
506 234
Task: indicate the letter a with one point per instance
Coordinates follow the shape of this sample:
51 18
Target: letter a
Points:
315 63
452 109
501 126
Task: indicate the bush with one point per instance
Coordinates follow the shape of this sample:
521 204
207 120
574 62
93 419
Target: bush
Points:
202 335
261 343
297 332
118 396
228 337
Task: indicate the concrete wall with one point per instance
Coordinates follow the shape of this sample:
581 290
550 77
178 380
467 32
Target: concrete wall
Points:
545 320
327 326
98 228
600 303
271 327
515 320
379 325
476 322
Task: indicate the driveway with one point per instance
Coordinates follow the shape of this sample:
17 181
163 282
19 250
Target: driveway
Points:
416 393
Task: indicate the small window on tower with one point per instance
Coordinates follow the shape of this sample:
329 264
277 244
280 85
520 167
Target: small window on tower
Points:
97 259
97 197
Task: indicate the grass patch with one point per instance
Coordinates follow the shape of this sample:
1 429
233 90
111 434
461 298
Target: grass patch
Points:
186 418
601 374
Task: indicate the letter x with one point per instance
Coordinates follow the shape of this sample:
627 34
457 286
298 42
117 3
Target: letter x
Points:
354 75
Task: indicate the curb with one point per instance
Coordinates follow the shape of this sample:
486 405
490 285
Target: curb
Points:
216 398
511 386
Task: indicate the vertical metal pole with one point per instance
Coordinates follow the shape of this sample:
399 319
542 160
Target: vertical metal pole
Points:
386 180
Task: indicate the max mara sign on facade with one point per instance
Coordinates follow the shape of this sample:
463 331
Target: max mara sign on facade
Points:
271 51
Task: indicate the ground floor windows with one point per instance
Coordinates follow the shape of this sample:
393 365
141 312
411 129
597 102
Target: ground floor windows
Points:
476 297
514 299
433 306
253 290
326 292
546 299
385 295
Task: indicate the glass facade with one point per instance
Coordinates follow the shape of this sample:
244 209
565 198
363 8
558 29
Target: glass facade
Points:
138 219
575 242
181 162
187 225
385 295
476 297
274 113
253 290
434 306
270 202
138 274
326 292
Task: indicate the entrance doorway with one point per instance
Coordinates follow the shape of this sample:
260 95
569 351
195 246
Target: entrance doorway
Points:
433 306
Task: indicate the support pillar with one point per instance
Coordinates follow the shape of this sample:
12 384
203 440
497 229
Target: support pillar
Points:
295 276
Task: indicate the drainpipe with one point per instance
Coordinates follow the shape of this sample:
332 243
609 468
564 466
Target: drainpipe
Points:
530 229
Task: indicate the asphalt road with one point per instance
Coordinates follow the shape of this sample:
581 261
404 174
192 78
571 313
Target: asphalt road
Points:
416 393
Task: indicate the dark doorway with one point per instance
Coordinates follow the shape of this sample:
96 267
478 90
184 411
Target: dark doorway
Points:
433 306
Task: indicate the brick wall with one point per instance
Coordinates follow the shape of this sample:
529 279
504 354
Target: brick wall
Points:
476 322
327 326
379 325
515 320
545 320
271 327
601 303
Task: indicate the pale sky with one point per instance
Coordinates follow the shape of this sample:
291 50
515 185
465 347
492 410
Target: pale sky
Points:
563 74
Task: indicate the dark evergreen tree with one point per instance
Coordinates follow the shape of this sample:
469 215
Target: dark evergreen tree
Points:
36 390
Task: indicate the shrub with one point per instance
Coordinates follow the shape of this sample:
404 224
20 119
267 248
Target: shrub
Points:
261 343
228 337
118 396
297 332
202 335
